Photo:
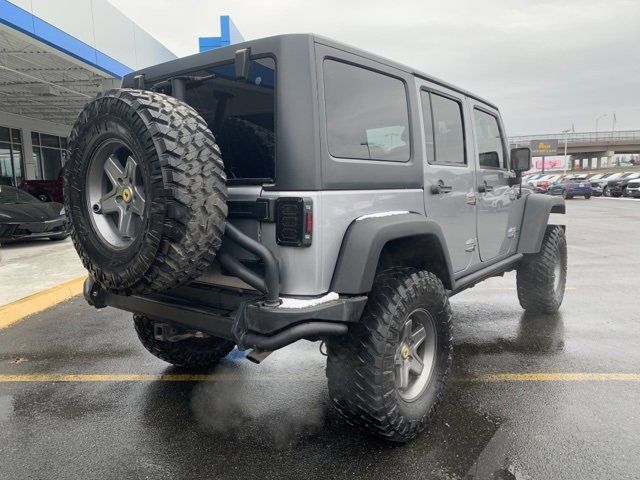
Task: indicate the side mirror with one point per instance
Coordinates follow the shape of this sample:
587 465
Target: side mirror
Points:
520 160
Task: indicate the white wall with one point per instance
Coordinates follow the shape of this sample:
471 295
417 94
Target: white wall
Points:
103 27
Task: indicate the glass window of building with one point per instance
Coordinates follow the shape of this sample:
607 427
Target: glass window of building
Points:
49 155
10 156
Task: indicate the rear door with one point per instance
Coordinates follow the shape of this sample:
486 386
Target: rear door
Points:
497 226
449 172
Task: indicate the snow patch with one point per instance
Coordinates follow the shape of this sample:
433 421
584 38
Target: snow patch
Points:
381 214
303 303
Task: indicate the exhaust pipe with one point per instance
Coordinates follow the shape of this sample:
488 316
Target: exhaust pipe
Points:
258 356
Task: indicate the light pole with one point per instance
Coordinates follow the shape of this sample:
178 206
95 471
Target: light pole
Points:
566 137
597 120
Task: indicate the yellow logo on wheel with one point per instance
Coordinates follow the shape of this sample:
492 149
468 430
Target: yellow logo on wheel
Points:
405 352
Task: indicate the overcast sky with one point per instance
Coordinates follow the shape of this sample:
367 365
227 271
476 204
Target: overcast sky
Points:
548 64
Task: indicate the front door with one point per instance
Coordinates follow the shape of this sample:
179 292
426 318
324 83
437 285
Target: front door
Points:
449 173
496 199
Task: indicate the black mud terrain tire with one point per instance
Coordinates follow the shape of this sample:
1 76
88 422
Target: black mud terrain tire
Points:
363 368
182 176
541 277
189 353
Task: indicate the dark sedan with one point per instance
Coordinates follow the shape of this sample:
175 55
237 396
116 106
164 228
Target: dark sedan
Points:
571 187
22 216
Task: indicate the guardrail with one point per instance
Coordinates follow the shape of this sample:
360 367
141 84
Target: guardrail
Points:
581 137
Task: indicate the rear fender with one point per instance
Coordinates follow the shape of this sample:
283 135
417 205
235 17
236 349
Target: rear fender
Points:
366 238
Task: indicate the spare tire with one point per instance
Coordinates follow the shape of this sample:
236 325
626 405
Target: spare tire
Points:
145 191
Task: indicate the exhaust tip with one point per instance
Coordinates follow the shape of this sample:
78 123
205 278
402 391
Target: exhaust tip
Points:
258 356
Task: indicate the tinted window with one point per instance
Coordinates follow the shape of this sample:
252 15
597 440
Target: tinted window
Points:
241 114
448 131
50 140
16 136
367 114
50 157
489 140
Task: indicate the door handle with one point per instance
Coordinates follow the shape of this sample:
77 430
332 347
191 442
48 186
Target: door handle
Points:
441 188
484 188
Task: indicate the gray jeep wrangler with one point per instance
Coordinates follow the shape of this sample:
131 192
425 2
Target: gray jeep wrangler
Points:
295 188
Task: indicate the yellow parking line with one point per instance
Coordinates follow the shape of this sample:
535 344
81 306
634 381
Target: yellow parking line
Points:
16 311
188 377
559 377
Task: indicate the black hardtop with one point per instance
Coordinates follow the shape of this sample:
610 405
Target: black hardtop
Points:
275 45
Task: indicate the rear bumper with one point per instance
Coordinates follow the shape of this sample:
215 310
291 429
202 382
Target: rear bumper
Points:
236 314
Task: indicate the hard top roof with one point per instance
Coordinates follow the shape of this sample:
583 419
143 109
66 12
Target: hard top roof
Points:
267 43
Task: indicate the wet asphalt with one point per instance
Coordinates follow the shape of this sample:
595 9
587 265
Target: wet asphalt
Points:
274 420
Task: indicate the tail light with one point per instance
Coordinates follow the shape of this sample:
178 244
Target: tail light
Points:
294 221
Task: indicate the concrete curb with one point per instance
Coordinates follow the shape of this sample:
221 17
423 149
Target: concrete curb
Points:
15 311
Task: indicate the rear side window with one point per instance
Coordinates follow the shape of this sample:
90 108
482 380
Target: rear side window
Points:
367 114
489 140
448 131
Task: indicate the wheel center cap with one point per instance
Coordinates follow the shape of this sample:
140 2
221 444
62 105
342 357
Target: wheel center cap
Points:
127 195
404 352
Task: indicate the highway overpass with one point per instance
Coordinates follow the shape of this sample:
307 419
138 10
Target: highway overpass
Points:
589 148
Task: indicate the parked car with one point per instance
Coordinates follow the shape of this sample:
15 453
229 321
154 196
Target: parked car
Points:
572 187
542 183
616 188
600 187
530 186
23 216
399 230
633 188
45 190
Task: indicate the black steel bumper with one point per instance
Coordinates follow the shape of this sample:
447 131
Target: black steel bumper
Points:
236 314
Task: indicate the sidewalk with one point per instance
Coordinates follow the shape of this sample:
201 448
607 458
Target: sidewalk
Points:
31 267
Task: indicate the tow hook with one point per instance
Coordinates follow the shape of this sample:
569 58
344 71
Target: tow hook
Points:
163 332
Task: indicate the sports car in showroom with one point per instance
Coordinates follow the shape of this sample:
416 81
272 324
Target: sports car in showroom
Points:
23 216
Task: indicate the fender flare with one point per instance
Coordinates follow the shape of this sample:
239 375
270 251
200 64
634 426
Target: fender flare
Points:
537 209
363 243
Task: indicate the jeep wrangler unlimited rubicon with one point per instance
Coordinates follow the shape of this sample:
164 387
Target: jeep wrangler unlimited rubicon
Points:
295 188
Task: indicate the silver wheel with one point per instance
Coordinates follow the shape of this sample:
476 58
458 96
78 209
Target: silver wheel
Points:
415 355
115 194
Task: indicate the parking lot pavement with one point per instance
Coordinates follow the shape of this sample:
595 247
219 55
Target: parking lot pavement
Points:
33 266
547 397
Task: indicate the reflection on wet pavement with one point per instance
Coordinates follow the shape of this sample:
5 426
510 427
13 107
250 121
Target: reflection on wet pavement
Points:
274 420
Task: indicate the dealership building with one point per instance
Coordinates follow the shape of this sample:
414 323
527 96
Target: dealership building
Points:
55 55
